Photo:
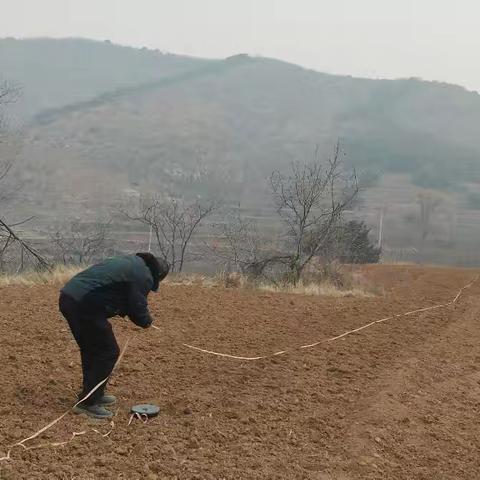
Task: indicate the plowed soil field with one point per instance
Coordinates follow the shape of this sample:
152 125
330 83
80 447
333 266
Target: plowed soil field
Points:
397 400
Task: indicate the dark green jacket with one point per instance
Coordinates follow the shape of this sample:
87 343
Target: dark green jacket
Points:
117 286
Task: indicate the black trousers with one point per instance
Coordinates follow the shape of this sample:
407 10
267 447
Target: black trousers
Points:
98 348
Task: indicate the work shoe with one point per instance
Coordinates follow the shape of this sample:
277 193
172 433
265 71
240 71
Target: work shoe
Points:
94 411
104 400
107 400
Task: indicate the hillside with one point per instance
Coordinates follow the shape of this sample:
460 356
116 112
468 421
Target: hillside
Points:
103 120
55 73
243 110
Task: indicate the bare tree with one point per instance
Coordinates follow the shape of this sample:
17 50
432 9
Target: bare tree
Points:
173 224
310 201
241 248
80 244
428 203
9 239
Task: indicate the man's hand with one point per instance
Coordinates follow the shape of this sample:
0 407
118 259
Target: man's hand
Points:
138 306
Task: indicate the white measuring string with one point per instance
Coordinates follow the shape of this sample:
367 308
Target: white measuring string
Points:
337 337
21 443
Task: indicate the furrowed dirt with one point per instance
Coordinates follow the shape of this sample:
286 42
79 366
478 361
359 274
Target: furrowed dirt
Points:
398 400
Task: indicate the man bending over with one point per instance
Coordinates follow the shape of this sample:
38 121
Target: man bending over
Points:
117 286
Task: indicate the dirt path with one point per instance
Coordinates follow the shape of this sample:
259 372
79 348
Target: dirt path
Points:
396 401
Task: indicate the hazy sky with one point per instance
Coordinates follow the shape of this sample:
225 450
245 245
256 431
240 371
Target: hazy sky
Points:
432 39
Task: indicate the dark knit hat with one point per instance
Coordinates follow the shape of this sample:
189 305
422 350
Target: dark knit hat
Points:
158 267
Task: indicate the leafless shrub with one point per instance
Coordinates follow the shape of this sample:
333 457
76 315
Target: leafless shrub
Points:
311 200
241 248
428 203
79 243
173 224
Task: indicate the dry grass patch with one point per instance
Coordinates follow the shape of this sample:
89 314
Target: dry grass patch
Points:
58 275
356 286
323 289
61 274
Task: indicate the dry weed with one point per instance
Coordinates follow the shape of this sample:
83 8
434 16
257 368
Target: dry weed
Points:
61 274
58 275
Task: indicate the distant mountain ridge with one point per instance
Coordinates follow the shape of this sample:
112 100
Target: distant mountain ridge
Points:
148 119
54 73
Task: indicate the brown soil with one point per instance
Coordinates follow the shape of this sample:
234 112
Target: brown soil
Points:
399 400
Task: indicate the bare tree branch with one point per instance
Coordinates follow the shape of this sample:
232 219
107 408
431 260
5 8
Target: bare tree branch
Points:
173 224
310 201
12 237
79 243
428 203
241 248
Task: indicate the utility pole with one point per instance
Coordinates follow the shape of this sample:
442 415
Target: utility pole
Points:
150 240
380 228
151 227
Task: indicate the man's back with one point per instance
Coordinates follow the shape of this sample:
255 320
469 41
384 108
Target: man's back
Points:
110 273
117 286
